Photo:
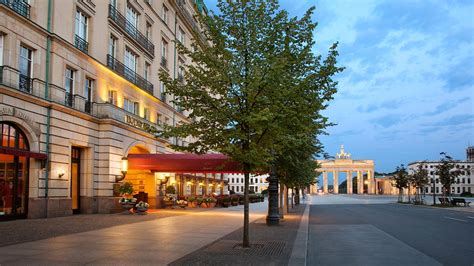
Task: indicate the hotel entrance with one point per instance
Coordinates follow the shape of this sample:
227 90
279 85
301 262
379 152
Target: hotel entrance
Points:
75 179
13 172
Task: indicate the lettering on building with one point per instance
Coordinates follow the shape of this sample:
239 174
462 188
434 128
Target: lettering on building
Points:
142 125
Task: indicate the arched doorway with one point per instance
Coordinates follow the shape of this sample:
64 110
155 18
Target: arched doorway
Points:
14 167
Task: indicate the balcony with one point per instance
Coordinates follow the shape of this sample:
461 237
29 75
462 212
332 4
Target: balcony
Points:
129 74
180 77
81 44
13 79
190 19
131 31
19 6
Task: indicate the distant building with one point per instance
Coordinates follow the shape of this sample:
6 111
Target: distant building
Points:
256 183
464 182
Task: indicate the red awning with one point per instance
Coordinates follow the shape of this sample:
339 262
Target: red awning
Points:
183 163
16 152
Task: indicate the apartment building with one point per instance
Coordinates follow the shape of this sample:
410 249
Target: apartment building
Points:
463 183
235 183
79 92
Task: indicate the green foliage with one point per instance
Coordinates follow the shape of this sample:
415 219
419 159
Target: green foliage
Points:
170 190
419 179
126 188
256 92
446 173
401 180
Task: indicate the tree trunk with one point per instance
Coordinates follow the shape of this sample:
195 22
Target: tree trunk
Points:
292 197
282 204
285 206
246 241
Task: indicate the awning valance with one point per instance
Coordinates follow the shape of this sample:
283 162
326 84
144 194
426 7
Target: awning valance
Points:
184 163
24 153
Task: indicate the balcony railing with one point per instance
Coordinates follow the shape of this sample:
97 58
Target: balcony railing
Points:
190 19
131 31
12 78
129 74
19 6
180 77
81 44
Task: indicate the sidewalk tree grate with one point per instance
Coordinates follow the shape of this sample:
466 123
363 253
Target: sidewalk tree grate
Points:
257 248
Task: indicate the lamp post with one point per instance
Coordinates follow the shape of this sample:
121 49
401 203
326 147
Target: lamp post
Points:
123 168
434 187
273 217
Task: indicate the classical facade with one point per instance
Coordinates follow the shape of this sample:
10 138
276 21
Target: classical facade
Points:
463 183
79 91
257 183
343 163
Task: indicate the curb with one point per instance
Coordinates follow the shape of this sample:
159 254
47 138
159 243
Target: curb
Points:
300 246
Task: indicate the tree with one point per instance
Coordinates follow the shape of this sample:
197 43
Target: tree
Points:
446 173
257 75
400 180
419 179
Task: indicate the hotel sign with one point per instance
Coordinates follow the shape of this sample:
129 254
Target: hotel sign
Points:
148 127
12 111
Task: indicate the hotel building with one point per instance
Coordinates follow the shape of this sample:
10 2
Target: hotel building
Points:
79 91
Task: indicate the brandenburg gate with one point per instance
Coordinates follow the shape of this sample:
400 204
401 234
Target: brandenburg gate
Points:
344 163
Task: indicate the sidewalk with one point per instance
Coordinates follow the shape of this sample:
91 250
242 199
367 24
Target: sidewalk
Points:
157 242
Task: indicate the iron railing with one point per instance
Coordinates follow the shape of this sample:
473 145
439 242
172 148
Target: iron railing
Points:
81 44
190 19
25 83
131 31
88 107
129 74
19 6
68 99
180 77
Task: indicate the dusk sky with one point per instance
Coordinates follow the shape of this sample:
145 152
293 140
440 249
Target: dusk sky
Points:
407 93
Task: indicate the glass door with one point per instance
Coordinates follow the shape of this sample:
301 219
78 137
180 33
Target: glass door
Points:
75 179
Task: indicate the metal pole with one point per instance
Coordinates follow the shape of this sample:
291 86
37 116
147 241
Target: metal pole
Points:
434 195
273 217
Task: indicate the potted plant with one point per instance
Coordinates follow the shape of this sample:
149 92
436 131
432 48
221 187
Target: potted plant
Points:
211 202
182 203
199 202
226 201
142 207
170 190
192 202
169 201
127 201
235 200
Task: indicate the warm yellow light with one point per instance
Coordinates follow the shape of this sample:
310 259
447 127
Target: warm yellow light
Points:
188 183
201 184
124 165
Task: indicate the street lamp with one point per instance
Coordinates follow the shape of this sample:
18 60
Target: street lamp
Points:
124 170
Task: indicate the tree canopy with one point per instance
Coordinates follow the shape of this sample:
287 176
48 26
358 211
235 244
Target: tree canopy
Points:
256 91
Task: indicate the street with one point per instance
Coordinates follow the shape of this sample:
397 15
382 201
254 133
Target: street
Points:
387 233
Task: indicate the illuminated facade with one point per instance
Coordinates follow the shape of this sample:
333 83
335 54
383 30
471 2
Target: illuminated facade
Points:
79 90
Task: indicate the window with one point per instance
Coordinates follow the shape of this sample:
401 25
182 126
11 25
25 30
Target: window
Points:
112 97
181 36
132 18
180 69
164 14
147 71
233 180
159 118
167 120
148 30
69 86
241 180
130 106
26 60
437 189
459 190
81 25
112 46
88 94
130 60
241 189
146 113
232 188
163 91
469 181
1 50
463 180
164 53
113 3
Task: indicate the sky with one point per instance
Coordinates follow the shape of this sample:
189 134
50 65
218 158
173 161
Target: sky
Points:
407 92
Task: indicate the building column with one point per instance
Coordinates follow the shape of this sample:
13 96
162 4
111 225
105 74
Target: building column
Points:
371 186
360 182
349 182
325 182
335 181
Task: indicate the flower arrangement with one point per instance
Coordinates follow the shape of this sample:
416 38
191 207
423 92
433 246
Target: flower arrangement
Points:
169 198
126 189
127 200
182 203
142 205
192 202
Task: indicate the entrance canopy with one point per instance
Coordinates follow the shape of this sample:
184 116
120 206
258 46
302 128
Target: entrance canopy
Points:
184 163
25 153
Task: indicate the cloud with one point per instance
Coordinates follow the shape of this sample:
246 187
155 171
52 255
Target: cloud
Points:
388 120
446 106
